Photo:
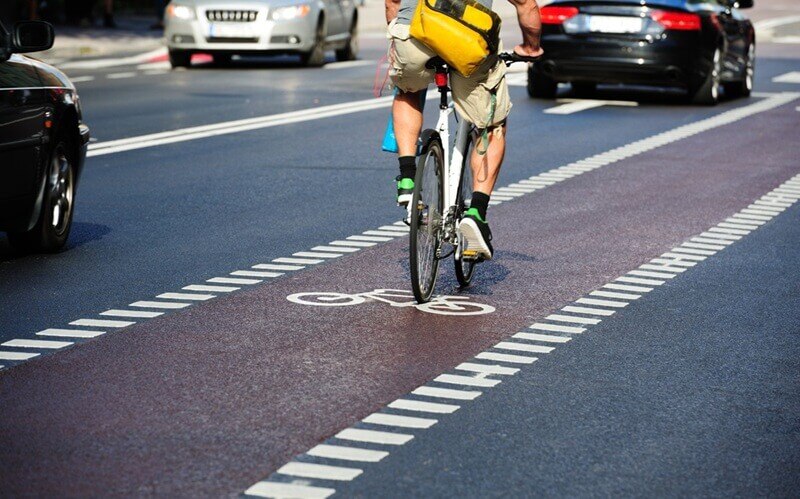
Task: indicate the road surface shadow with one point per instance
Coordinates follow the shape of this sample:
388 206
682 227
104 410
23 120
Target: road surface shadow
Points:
80 234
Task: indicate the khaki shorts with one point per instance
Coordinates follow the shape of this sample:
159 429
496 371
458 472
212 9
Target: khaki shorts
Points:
472 96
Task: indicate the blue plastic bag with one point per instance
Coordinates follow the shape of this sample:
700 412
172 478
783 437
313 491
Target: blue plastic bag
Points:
389 140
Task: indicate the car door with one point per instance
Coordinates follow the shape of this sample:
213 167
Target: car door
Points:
334 18
22 117
735 38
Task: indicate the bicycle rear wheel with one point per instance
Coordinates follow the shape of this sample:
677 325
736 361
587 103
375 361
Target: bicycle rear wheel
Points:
464 268
426 221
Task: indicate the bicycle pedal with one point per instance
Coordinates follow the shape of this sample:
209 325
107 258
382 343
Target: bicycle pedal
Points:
469 254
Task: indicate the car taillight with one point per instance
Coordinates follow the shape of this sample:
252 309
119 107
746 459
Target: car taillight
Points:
557 15
681 21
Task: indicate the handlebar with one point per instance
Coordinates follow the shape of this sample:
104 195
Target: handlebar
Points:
511 57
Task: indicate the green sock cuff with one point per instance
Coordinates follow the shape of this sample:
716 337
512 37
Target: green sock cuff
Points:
475 213
405 183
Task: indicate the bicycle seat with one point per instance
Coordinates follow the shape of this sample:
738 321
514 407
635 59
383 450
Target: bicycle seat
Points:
436 63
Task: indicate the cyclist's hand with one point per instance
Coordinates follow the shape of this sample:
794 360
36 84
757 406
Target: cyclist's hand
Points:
528 51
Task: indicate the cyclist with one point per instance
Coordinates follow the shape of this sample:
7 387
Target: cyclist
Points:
482 99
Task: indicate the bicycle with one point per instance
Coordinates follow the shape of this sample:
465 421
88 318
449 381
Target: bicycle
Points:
442 189
440 305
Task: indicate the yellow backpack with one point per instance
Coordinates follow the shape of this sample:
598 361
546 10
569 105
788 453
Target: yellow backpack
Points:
462 32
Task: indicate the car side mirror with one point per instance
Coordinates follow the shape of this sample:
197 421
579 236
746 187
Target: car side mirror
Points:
32 36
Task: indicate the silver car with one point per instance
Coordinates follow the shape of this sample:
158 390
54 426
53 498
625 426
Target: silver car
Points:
223 28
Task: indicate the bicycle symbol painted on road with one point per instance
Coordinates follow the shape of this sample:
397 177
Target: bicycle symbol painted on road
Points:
441 305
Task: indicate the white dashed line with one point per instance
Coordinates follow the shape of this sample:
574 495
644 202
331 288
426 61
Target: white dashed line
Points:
399 421
119 76
37 344
374 437
316 254
309 470
506 357
234 280
168 305
418 406
298 261
70 333
360 244
140 314
335 248
278 490
454 379
101 323
185 296
486 369
522 347
347 453
446 393
17 355
211 289
557 328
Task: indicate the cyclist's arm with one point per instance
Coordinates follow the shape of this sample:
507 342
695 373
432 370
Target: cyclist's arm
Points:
530 23
392 6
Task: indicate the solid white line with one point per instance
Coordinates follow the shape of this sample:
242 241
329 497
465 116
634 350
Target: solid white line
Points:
99 323
557 328
523 347
17 355
572 318
316 254
159 304
416 405
273 266
614 294
259 273
71 333
279 490
360 244
299 261
211 289
143 314
185 296
486 369
335 248
374 239
588 310
647 273
347 453
454 379
583 105
399 421
603 303
373 437
321 471
505 357
37 344
233 280
446 393
626 287
547 338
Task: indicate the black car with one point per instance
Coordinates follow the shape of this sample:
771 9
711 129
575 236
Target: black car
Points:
699 45
43 142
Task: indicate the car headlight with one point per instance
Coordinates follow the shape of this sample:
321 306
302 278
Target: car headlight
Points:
180 11
291 12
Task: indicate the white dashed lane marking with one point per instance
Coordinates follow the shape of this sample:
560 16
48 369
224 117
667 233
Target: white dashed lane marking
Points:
37 344
70 333
347 453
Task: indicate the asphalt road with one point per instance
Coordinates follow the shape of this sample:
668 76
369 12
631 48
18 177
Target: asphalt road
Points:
690 390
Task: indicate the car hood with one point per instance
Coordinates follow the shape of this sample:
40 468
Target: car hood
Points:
49 74
233 4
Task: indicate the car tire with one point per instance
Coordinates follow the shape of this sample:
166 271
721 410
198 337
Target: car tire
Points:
708 92
180 58
744 87
541 86
584 87
316 56
350 51
51 231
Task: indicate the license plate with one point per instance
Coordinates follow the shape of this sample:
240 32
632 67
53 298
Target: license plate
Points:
615 24
230 30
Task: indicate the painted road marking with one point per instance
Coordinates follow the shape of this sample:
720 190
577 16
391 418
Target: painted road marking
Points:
486 369
571 106
37 344
347 453
335 248
557 328
522 347
672 261
713 242
639 280
648 273
572 318
588 310
170 305
446 393
375 239
696 258
419 406
185 296
626 287
606 303
360 244
505 357
399 421
384 233
234 280
141 314
280 490
321 471
299 261
547 338
664 268
373 437
256 273
613 294
693 251
704 246
316 254
70 333
454 379
722 236
210 289
273 266
17 355
119 76
791 77
101 323
81 79
404 228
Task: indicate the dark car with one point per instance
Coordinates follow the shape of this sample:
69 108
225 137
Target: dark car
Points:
43 142
699 45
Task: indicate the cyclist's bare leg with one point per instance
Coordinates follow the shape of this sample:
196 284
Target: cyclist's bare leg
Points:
486 167
407 116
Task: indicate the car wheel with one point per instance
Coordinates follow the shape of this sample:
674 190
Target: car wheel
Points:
744 87
316 56
541 86
52 229
350 51
708 93
584 87
180 58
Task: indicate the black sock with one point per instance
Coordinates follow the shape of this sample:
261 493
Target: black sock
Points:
480 202
408 166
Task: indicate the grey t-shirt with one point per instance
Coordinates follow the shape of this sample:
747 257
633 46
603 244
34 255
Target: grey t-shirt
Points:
407 8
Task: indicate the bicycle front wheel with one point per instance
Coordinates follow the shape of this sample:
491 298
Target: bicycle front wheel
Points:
426 221
465 268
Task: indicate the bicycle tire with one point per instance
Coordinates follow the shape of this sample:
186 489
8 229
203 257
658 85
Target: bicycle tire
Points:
426 221
465 269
